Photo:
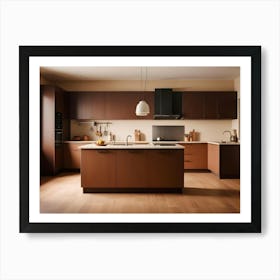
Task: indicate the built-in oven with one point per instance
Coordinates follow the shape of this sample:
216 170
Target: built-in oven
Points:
58 129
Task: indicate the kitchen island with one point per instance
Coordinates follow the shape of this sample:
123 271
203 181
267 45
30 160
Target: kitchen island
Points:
132 168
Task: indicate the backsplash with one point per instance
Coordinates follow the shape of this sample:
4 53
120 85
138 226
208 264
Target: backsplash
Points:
209 130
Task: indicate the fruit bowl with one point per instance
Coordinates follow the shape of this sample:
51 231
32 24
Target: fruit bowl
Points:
100 143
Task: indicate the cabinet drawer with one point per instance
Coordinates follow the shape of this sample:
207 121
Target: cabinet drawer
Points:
195 163
195 148
195 156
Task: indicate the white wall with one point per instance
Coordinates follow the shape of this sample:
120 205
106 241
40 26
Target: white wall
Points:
209 130
139 256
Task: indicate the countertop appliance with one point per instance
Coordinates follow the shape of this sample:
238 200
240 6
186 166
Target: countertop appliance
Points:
168 104
165 133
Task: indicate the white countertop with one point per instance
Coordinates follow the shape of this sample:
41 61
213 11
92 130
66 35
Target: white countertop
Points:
148 146
183 142
223 143
141 144
79 141
93 142
201 142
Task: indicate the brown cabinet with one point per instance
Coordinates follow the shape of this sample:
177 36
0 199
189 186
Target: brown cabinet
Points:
72 155
224 160
98 168
132 169
87 105
108 105
193 106
195 156
210 105
214 158
51 153
221 105
131 165
120 105
166 169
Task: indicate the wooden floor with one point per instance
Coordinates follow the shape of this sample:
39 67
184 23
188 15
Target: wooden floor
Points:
203 193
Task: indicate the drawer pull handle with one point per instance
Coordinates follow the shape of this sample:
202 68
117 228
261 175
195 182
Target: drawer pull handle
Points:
103 151
188 161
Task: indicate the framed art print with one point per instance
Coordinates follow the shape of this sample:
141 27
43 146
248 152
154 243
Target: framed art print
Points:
140 138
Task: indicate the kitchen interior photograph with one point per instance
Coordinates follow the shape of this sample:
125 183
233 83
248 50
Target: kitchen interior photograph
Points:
140 139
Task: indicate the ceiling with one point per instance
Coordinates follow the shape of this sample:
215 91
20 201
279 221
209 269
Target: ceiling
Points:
139 73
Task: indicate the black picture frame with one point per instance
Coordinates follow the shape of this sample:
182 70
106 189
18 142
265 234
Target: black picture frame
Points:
254 52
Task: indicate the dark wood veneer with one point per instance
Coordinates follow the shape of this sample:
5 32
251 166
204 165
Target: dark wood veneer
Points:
132 169
52 100
210 105
119 105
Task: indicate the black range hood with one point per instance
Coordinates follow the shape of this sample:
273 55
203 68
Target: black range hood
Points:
168 104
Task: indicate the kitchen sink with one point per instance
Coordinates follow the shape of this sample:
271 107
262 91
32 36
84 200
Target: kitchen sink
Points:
164 144
121 144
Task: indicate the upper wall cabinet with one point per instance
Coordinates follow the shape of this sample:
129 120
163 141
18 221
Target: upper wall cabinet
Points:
122 105
193 106
210 105
86 105
108 105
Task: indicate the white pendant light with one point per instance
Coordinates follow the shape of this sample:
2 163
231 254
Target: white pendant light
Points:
143 108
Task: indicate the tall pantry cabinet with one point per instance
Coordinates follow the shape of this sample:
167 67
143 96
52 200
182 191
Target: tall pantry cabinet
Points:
52 111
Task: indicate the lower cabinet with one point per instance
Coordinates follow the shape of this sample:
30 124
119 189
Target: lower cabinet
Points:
224 160
195 156
165 169
132 168
214 158
72 155
98 168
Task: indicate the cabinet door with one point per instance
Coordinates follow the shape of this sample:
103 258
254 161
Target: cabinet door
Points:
227 106
47 131
214 158
87 105
131 168
59 101
98 168
72 156
229 161
195 156
221 105
58 158
120 105
166 168
193 105
211 106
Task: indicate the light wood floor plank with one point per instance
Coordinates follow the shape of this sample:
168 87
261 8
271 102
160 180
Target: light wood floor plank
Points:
203 193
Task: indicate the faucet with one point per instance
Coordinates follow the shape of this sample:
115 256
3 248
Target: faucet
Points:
127 139
229 134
